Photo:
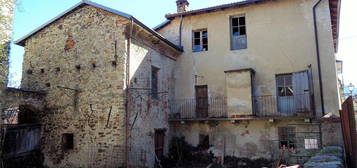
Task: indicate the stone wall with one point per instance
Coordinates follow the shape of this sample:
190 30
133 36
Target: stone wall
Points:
81 60
76 61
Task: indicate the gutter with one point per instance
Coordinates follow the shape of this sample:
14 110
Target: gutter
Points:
318 57
127 92
180 35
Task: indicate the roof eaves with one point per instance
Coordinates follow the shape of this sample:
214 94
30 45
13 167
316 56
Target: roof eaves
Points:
161 25
22 40
215 8
178 48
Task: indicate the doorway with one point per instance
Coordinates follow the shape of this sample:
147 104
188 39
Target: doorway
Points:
159 143
201 101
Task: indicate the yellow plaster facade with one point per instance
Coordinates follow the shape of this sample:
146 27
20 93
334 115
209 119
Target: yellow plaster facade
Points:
280 39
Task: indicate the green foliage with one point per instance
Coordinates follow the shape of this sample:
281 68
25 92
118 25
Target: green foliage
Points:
6 17
4 62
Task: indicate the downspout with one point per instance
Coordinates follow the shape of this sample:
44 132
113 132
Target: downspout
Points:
127 92
318 58
180 31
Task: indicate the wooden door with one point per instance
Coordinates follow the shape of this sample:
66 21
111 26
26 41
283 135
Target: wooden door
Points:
159 143
201 101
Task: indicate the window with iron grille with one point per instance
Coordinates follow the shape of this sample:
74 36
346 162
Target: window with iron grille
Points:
200 40
286 137
238 33
154 82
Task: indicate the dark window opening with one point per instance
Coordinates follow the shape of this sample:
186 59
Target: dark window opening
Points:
27 115
154 82
58 69
200 41
67 141
114 63
94 65
29 71
203 141
238 33
286 137
42 71
78 67
48 84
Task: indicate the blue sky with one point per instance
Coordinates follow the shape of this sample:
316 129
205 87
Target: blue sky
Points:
33 13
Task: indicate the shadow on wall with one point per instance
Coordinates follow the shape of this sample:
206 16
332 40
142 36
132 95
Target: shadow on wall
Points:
150 90
183 154
20 137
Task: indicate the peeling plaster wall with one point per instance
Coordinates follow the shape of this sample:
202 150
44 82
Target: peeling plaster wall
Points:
77 52
280 38
148 114
250 138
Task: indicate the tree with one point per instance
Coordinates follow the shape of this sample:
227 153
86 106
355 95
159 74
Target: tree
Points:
6 17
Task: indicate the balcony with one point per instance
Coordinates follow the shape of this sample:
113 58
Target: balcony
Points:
288 106
297 106
211 108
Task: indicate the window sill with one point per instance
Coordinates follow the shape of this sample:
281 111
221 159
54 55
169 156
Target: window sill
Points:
239 49
199 51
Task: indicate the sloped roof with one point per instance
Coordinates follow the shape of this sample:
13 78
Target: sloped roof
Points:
216 8
22 40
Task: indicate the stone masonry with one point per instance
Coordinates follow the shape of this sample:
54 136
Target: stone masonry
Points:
81 60
73 59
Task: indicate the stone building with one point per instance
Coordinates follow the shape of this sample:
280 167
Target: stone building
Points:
245 78
95 63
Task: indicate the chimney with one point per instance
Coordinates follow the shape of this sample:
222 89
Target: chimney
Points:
182 5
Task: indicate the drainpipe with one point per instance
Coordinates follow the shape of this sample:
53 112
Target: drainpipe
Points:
318 57
180 31
127 92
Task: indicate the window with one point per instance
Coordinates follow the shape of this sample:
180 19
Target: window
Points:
285 85
200 41
159 143
154 82
286 137
238 33
311 144
67 141
203 141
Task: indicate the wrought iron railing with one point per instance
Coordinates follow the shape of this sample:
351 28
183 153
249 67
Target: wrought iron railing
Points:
263 106
287 106
207 108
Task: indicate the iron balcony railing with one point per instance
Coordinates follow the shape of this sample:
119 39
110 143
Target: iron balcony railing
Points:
263 106
286 106
193 108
